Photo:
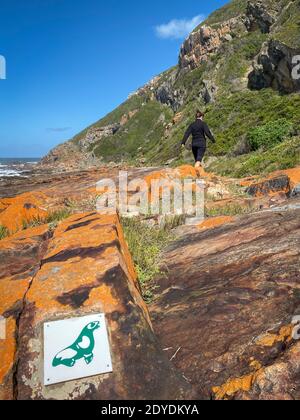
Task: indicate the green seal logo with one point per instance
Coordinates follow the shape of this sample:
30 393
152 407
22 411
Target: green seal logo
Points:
83 348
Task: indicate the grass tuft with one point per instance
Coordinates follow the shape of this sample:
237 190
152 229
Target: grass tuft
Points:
52 219
146 244
3 232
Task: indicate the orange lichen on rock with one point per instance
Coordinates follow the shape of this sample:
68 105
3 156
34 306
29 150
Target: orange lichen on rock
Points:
245 383
293 174
88 269
20 254
269 340
23 208
215 222
280 181
233 386
79 262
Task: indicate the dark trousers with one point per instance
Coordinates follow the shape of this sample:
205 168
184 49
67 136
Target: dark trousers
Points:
199 153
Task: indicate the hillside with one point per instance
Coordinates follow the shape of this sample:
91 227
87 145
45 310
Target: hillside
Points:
237 66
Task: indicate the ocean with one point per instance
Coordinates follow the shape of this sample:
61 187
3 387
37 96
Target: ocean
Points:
16 167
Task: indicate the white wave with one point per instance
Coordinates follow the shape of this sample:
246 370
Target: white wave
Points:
9 173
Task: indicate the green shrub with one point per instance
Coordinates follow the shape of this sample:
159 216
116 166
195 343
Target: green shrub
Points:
145 244
3 232
270 134
282 156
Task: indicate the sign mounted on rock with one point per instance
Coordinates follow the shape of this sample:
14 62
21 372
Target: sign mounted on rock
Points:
75 349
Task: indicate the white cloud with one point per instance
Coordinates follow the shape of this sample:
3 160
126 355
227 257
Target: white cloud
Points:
178 28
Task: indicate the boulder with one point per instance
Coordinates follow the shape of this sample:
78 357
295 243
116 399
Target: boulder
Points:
85 269
20 257
273 68
270 186
226 304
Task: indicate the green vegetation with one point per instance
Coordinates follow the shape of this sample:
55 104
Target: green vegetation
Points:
3 232
133 103
283 156
235 60
228 210
288 26
230 10
52 219
145 244
143 130
270 134
233 117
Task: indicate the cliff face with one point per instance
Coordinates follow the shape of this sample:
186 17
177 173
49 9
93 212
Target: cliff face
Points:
225 67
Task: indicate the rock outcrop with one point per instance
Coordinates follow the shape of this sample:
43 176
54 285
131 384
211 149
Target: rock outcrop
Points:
199 46
96 134
260 16
226 305
85 268
274 68
20 259
223 312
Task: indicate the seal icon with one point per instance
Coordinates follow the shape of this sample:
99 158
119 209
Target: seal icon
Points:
82 348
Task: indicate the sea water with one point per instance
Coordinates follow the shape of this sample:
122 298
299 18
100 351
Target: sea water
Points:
15 167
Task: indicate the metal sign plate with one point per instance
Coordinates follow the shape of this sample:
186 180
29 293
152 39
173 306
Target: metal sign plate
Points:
75 349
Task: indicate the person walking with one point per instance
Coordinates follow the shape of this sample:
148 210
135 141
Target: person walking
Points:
200 131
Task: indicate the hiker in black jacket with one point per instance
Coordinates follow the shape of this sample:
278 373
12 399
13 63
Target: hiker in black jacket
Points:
200 131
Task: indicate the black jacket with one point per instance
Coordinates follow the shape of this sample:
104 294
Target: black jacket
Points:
200 131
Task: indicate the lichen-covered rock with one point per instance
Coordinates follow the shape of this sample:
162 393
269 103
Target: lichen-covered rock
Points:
14 212
20 257
272 185
226 306
87 269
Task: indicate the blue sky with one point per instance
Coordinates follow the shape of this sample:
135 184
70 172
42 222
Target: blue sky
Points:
70 62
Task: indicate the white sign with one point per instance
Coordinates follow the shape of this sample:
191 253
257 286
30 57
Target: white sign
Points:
76 348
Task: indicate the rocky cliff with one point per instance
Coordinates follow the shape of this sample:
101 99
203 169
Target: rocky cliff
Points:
237 66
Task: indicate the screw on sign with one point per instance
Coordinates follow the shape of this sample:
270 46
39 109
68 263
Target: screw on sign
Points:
296 331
